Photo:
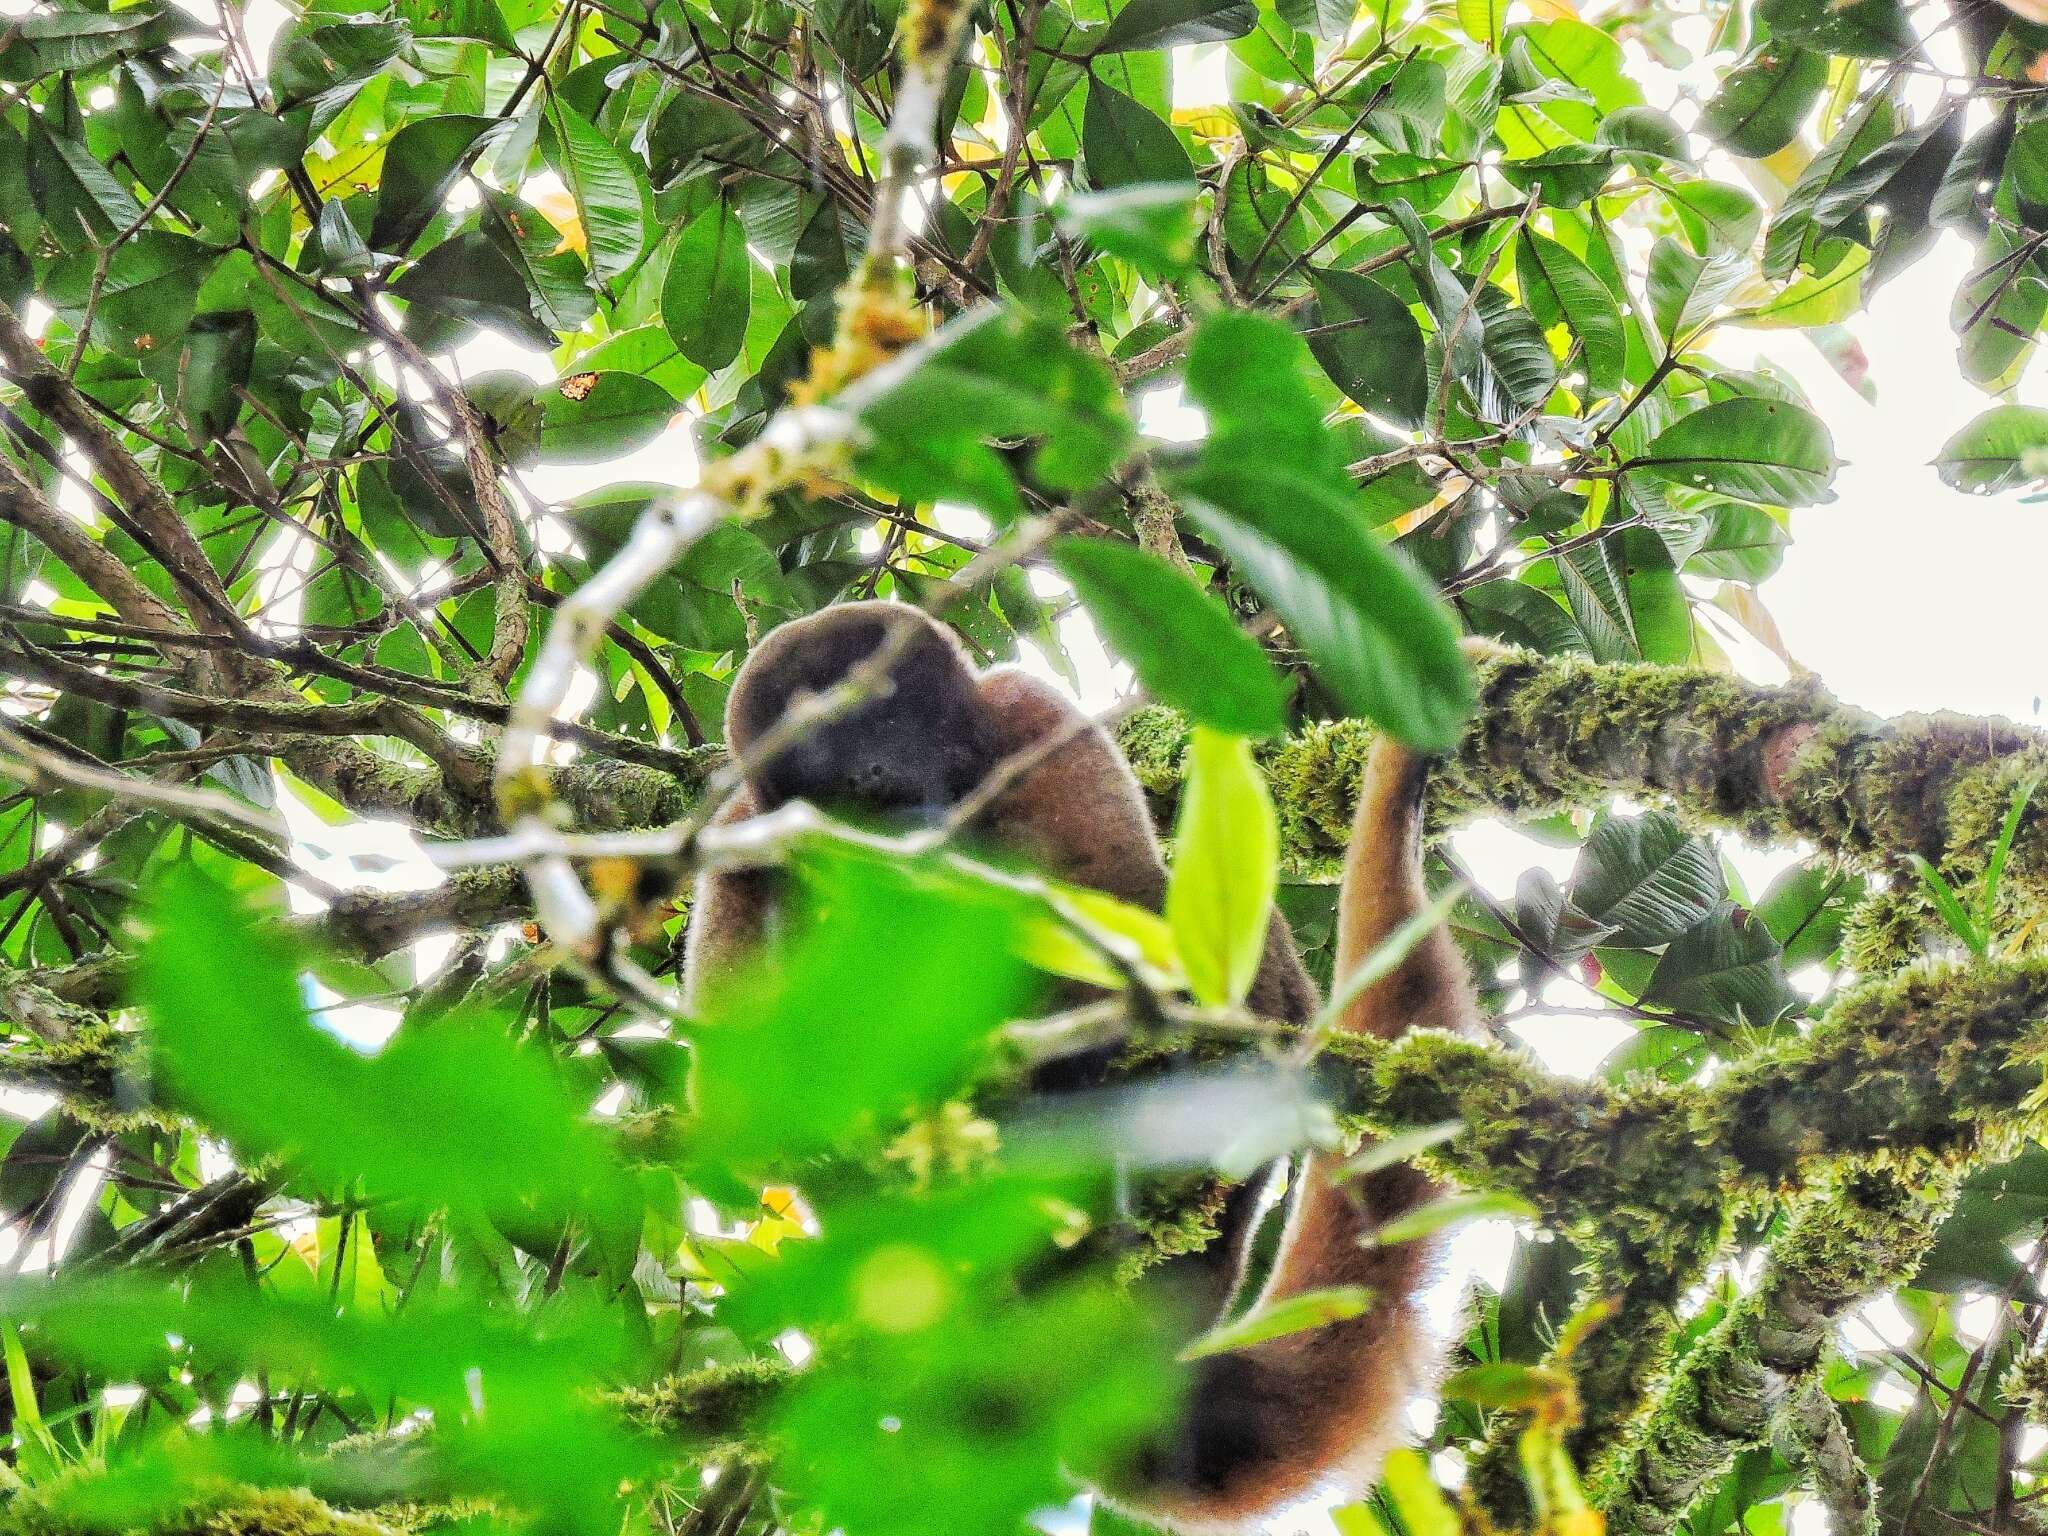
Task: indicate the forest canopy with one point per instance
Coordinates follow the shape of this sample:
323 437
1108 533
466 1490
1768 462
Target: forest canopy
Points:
413 415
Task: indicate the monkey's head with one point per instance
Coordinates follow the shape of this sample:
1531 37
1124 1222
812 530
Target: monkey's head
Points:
913 745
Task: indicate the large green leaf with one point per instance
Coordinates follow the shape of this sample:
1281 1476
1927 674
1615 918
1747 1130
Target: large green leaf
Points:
231 1044
1152 224
421 164
469 279
1370 345
590 418
1143 24
1766 451
1726 969
1646 879
1687 291
82 203
1558 286
929 416
1379 639
1180 641
320 63
1869 29
610 191
2005 447
1761 104
707 294
1124 142
1270 491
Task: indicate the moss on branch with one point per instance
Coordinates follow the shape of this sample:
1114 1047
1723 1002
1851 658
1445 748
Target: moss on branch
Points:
1750 1378
232 1512
1780 764
1941 1064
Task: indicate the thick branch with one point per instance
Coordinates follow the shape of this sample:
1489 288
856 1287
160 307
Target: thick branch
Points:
1780 764
1745 1378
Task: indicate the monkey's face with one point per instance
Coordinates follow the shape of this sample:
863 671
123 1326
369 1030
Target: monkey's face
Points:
911 747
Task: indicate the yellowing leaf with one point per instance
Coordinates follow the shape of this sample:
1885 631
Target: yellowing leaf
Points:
1226 868
558 207
1747 609
1070 940
1415 1497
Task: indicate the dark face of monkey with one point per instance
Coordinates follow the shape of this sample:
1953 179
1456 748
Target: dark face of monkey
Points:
915 746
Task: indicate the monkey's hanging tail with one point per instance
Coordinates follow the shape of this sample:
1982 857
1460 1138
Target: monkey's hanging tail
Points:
1316 1410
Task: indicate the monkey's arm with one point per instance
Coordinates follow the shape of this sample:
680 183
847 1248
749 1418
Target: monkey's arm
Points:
1270 1424
1079 814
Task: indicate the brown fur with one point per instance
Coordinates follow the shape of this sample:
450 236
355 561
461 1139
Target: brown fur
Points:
1264 1426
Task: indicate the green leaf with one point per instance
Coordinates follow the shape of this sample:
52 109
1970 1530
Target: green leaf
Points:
1226 868
1668 1052
589 418
1507 1385
320 62
479 19
1811 302
469 279
1726 969
694 604
81 202
929 415
1994 871
1519 371
1180 641
1123 142
213 366
231 1044
1716 216
1687 291
342 249
1864 29
1147 24
1151 224
1597 590
2000 450
610 191
1381 641
708 292
555 279
1483 20
1740 543
1762 103
146 301
421 165
1278 1319
1449 1211
1646 879
1251 374
1397 1149
1767 451
1557 286
1369 343
1950 906
61 42
2026 167
760 1097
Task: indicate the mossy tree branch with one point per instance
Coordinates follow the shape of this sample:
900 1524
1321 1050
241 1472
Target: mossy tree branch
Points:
1747 1380
1780 764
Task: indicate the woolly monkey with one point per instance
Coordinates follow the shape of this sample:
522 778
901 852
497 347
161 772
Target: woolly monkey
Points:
1261 1426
